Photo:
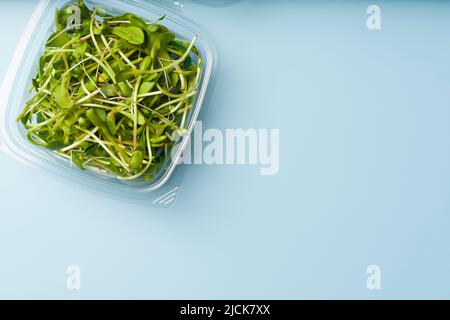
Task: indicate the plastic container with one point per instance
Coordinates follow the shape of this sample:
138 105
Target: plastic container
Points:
162 190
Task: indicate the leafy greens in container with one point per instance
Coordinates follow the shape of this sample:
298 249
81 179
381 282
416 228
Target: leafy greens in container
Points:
112 93
116 94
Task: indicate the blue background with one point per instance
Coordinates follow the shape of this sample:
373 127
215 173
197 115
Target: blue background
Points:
364 170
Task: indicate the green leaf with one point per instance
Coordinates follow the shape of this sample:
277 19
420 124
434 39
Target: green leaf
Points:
62 96
125 89
152 27
81 50
111 123
93 117
146 87
76 159
57 40
55 144
101 114
137 22
125 75
132 34
141 119
160 40
145 64
136 159
109 90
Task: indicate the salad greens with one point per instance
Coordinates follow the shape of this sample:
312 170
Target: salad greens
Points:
111 92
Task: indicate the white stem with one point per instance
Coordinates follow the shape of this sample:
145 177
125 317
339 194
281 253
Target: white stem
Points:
77 143
100 142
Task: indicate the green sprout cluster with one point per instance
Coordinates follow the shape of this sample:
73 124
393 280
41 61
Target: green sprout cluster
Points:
111 92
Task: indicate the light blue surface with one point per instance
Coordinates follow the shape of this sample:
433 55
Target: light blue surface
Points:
364 170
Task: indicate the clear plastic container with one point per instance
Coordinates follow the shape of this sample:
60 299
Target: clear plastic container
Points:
162 190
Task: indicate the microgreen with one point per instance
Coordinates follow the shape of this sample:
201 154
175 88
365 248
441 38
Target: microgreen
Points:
110 94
